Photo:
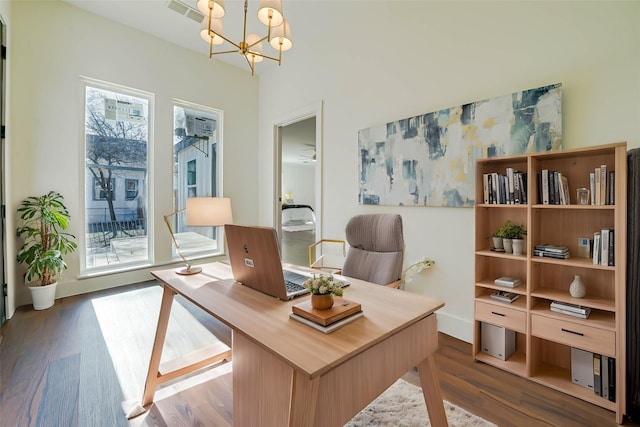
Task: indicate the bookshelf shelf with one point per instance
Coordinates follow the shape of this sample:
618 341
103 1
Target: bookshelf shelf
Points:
543 349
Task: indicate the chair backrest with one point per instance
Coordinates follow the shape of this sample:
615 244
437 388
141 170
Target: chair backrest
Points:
376 249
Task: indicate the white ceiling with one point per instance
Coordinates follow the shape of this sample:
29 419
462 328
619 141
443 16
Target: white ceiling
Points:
156 18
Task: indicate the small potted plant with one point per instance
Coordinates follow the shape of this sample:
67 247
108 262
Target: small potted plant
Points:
44 220
323 288
515 233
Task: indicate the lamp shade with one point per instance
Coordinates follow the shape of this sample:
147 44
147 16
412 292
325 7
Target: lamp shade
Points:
281 34
216 27
208 211
273 7
216 7
255 46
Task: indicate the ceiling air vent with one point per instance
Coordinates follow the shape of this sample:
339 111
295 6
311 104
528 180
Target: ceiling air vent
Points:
185 10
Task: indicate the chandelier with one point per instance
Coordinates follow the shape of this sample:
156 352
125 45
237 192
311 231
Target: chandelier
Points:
269 13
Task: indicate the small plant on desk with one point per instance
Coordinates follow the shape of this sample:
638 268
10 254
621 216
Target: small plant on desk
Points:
323 285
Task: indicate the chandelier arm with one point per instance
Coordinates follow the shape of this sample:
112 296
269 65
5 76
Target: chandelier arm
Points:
226 39
251 63
266 56
259 41
226 51
244 32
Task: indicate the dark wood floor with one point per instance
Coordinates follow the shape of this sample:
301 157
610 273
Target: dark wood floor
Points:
57 370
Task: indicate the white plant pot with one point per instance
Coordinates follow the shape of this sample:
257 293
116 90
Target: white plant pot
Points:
43 296
518 246
508 245
497 243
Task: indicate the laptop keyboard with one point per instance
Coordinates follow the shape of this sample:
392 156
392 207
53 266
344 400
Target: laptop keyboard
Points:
293 287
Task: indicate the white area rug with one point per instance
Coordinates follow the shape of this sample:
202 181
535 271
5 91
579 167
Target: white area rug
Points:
402 405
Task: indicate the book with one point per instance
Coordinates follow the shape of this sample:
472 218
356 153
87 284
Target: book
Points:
603 184
597 378
570 313
509 282
596 186
504 296
592 186
611 185
604 250
546 254
612 379
330 328
604 374
511 187
611 258
596 248
566 195
341 309
566 306
547 247
545 186
485 187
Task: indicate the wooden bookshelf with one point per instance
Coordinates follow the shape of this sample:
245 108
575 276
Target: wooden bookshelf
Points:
542 348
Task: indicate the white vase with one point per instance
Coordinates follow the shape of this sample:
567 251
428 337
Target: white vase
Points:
43 296
577 288
497 243
508 245
518 245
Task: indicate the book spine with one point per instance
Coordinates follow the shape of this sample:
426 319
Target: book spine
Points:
494 190
597 185
517 198
612 379
612 188
611 260
603 184
545 186
597 378
592 186
596 247
485 187
604 240
511 186
604 373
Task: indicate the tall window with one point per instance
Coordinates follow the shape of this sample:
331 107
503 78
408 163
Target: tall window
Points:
196 172
116 155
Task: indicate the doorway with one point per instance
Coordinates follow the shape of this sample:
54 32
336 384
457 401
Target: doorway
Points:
297 184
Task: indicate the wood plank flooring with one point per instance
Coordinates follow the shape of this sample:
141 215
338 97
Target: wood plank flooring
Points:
56 369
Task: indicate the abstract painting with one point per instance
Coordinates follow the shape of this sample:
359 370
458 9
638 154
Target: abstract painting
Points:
429 160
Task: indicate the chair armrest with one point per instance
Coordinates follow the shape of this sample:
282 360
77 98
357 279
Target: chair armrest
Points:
395 284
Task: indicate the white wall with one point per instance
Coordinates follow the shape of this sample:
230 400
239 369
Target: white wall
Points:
51 45
375 62
299 180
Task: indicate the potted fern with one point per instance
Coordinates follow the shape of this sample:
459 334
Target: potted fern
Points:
44 220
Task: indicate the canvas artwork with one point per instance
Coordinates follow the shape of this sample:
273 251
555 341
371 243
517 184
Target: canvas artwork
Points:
429 160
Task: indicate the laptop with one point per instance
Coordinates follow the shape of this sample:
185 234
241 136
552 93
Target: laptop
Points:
254 255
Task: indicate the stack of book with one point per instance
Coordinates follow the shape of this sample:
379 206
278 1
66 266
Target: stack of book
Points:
342 313
508 282
570 309
551 251
504 296
553 188
509 188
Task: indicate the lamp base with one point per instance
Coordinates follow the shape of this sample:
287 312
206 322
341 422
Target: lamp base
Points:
189 271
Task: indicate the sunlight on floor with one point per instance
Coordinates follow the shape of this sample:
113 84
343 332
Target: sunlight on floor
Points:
128 324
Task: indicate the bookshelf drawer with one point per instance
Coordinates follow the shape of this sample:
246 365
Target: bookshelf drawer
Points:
574 334
509 318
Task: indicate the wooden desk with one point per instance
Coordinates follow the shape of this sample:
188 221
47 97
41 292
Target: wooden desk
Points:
288 374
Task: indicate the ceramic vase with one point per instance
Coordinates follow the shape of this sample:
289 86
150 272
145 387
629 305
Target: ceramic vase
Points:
518 245
577 288
322 302
508 245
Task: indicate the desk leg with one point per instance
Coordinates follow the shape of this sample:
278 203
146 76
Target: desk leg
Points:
431 391
161 331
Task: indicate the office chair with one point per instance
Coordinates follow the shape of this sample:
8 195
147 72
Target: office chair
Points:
376 251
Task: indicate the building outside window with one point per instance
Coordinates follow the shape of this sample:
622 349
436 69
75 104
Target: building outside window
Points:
116 126
197 171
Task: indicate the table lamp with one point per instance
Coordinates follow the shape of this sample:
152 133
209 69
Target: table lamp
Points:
201 212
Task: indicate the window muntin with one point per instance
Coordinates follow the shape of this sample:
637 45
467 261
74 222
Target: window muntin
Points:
130 189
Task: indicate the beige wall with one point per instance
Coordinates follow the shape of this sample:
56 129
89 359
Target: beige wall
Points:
374 62
53 44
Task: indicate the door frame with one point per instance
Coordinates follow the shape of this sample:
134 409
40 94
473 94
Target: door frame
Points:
303 113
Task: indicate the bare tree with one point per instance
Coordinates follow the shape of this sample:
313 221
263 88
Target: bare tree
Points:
112 145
